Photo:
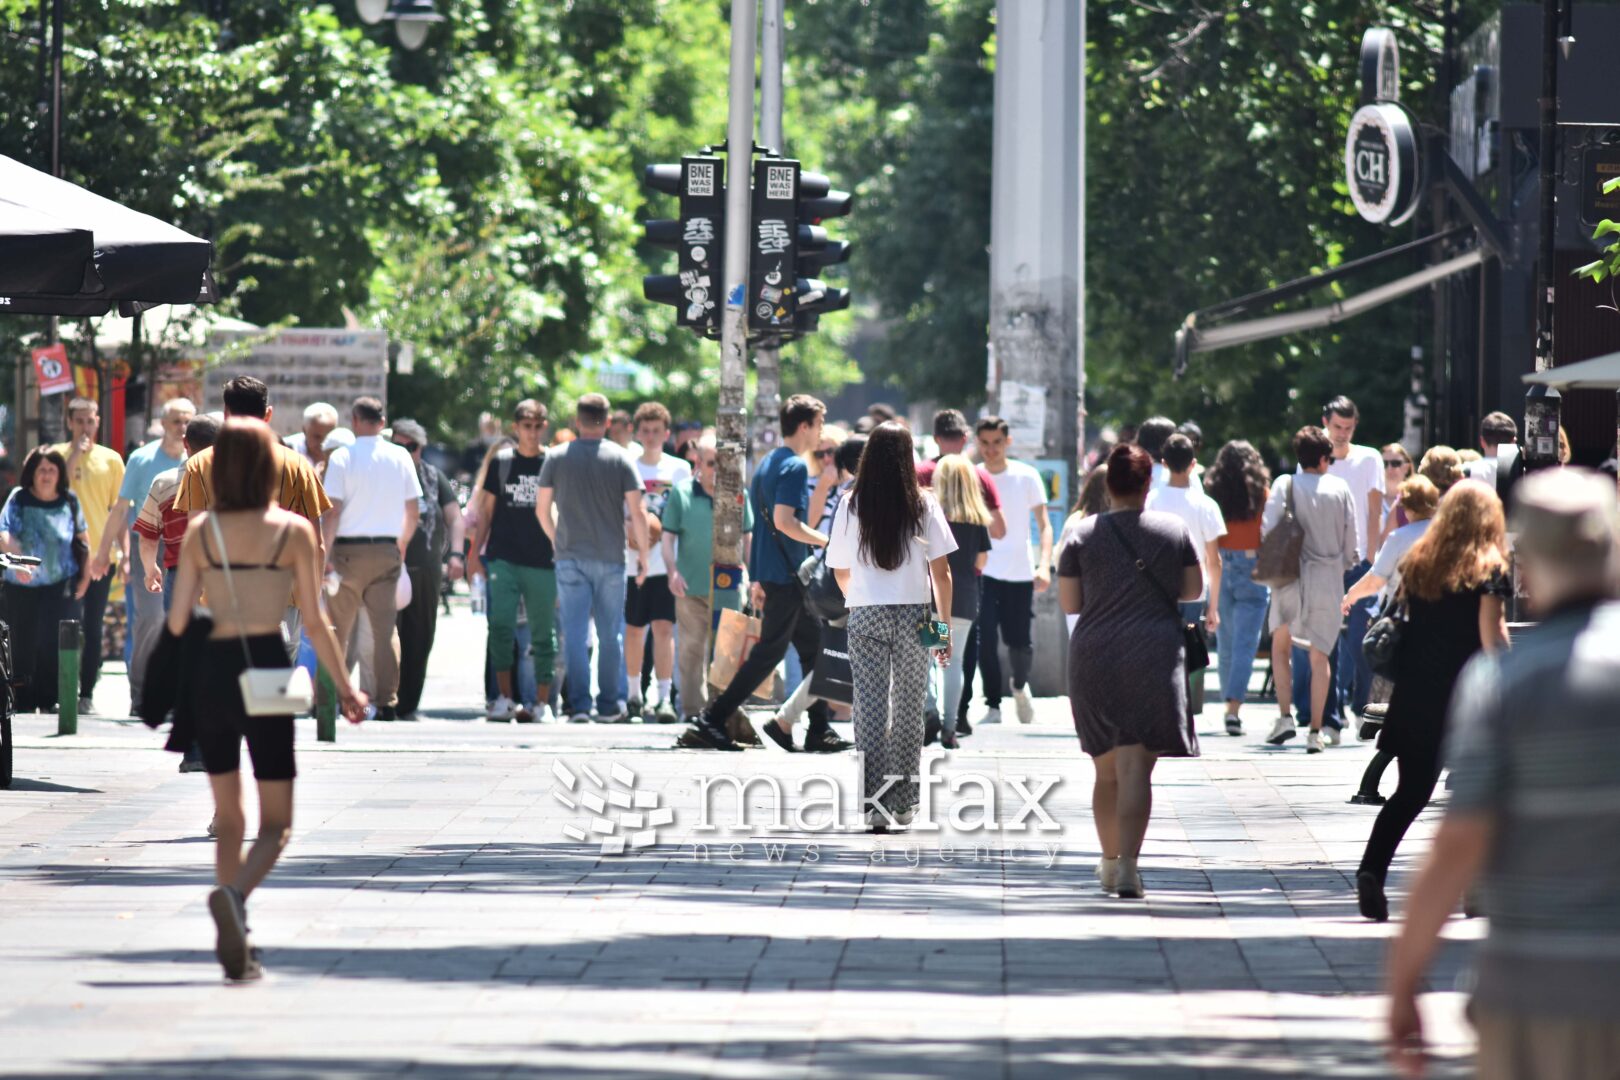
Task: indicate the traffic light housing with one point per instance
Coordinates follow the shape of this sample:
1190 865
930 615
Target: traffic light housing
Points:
697 237
790 249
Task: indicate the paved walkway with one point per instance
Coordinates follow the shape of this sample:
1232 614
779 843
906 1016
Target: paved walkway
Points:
432 917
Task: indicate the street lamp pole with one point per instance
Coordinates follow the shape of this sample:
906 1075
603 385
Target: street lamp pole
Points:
768 360
731 428
1542 403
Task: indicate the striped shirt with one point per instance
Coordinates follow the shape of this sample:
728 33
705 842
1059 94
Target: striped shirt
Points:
159 520
300 490
1535 746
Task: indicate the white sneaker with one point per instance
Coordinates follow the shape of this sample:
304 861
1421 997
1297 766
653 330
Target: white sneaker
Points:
1108 873
991 716
1128 880
501 710
1026 705
1332 735
544 714
1281 731
1313 742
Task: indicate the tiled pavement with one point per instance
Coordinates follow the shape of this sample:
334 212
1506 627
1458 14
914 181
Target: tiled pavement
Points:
431 917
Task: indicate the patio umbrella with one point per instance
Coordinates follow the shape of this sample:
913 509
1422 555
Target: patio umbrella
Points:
135 261
39 253
1599 373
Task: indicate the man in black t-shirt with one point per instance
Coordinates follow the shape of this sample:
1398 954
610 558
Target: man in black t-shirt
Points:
509 546
439 526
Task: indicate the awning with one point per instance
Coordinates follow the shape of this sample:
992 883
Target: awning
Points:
1599 373
134 261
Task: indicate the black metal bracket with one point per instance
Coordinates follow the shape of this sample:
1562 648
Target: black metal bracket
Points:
1473 205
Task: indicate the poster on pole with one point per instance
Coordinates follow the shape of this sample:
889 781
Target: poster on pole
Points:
52 370
1023 406
302 366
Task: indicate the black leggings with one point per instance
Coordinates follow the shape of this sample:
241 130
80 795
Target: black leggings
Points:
1419 774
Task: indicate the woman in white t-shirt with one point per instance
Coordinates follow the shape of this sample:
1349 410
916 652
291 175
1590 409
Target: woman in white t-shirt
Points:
888 551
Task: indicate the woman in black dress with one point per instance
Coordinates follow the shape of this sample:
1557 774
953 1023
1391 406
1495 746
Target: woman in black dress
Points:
1453 582
1123 572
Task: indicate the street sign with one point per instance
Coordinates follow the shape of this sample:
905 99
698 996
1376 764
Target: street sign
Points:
1382 165
52 370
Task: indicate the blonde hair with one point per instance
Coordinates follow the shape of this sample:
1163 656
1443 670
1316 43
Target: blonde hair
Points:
1442 466
1462 549
1419 497
956 485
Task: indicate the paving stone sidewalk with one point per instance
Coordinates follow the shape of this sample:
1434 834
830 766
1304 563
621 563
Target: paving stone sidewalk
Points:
432 916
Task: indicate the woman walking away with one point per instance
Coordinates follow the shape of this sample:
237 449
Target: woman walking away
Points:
1124 574
248 555
956 484
889 547
42 519
1239 482
1453 582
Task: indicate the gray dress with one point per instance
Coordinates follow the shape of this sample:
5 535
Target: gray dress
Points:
1127 671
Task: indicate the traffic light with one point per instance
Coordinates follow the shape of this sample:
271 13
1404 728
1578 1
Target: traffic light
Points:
698 238
773 252
817 252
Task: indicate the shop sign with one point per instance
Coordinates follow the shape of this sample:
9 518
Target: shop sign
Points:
1381 164
1380 66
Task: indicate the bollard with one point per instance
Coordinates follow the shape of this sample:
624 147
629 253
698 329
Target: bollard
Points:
69 643
326 708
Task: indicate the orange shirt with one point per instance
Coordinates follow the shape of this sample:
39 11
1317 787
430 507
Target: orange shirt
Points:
300 490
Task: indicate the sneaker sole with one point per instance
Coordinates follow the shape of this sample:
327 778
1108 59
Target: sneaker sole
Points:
230 944
1278 740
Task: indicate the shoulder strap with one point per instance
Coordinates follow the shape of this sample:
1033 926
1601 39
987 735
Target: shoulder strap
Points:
230 584
761 513
1119 534
503 466
281 542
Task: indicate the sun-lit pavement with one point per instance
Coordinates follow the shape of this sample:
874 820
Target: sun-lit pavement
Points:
432 917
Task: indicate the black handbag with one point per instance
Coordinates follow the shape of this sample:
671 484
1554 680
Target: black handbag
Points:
822 596
1196 648
1382 644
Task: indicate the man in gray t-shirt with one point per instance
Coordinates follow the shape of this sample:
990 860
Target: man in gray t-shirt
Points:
586 489
1535 809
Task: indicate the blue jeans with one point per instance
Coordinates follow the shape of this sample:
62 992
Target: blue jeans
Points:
591 590
1242 606
1354 679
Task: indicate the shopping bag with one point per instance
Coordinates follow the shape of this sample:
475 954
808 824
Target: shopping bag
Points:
833 680
734 638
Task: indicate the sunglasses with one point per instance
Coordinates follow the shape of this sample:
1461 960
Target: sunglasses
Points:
825 453
1395 463
408 447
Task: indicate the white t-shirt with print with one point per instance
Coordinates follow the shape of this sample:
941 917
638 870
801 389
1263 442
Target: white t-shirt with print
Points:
1363 469
1021 491
1202 516
910 583
656 482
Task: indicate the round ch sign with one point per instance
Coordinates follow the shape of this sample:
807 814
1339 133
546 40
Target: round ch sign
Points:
1381 163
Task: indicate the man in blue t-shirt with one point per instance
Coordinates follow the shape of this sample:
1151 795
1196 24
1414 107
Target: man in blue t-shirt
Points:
780 493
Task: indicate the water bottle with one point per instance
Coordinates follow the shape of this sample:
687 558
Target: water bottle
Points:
478 594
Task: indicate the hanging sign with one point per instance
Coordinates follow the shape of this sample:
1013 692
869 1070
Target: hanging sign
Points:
1381 164
52 370
1380 66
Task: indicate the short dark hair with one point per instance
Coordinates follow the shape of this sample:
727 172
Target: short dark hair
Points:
1130 470
530 409
244 465
1152 433
848 454
1193 432
950 424
1178 453
1311 445
592 410
797 411
1498 428
881 411
992 423
31 466
201 431
79 404
368 409
650 412
1341 406
246 396
619 416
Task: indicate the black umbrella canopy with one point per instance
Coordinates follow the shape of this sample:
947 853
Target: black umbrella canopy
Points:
135 260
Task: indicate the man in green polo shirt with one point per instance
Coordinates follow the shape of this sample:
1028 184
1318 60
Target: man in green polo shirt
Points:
688 543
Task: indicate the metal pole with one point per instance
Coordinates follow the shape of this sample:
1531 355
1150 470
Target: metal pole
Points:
69 645
53 332
325 706
1541 405
768 361
731 428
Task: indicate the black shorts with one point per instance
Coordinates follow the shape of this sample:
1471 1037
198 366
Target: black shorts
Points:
649 602
222 722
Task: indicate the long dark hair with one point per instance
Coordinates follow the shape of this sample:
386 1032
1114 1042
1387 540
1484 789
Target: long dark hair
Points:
886 498
1239 481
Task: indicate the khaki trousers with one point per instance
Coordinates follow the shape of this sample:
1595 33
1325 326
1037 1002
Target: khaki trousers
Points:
1514 1047
692 621
368 575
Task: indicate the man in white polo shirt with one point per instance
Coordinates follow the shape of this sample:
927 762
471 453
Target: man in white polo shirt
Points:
374 491
1011 578
1361 467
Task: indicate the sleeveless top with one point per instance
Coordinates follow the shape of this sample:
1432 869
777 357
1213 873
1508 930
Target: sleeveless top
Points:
262 589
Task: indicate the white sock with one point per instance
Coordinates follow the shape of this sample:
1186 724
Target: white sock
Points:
664 689
635 688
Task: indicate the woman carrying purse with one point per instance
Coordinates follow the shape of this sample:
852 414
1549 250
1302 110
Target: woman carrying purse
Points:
248 555
888 549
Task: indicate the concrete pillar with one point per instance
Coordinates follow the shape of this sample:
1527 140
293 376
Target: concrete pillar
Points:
1037 255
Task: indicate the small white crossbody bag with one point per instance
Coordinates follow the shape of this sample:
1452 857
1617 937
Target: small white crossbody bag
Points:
279 691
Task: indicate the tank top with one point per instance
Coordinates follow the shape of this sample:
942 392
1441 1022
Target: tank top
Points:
262 589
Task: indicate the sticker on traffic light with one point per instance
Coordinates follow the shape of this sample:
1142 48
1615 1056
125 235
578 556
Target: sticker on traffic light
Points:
772 258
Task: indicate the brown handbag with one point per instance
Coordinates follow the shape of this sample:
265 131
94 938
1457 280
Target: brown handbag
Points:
1280 549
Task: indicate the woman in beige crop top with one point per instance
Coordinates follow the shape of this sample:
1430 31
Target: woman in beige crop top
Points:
273 554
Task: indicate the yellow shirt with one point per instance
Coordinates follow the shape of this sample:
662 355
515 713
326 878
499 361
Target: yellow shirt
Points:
299 491
95 478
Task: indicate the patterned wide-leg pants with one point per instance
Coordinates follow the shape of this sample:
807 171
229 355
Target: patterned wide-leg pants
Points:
890 669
